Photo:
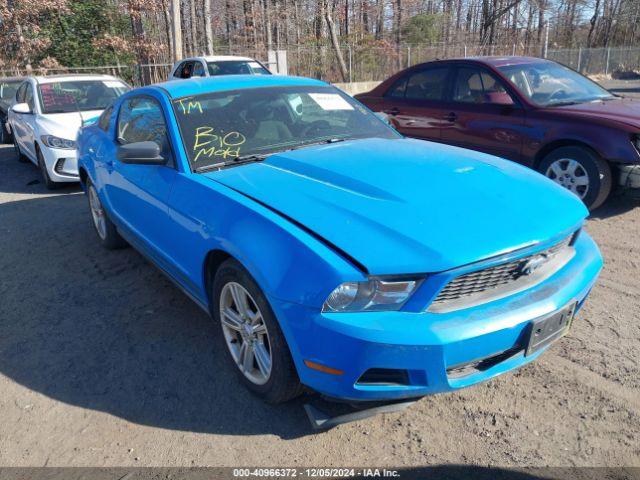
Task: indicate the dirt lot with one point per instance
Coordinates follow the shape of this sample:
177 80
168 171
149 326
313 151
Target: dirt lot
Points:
103 362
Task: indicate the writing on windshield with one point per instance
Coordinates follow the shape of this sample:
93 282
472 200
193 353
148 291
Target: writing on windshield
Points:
221 126
211 144
81 95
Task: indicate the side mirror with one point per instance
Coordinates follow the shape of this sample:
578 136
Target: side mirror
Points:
384 117
21 108
141 153
499 98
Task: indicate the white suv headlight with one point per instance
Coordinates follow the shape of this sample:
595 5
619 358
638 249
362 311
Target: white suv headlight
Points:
373 295
56 142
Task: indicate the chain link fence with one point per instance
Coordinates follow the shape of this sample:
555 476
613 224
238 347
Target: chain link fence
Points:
619 61
366 63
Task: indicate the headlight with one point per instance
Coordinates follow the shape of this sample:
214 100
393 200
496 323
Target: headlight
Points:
373 295
57 142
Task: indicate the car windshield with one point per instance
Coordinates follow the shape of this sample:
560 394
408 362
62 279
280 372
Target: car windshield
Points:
548 84
221 126
236 67
80 95
8 91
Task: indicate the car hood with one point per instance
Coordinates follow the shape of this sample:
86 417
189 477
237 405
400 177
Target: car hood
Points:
409 206
622 110
66 125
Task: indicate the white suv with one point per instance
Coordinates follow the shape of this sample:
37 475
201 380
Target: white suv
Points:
47 113
217 65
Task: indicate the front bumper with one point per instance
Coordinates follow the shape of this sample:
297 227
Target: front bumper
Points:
429 346
62 164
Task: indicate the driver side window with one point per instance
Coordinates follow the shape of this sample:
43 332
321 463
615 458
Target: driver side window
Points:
28 97
140 120
198 70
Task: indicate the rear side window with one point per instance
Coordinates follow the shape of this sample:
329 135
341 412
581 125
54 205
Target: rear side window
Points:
140 120
397 90
103 121
428 84
185 70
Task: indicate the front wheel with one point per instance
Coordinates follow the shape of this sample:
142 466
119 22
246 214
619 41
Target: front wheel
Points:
16 148
106 230
50 184
580 171
255 345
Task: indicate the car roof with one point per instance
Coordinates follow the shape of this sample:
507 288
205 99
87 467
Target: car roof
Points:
217 58
73 77
195 86
492 61
509 60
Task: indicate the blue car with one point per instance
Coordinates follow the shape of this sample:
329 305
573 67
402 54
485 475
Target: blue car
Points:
332 252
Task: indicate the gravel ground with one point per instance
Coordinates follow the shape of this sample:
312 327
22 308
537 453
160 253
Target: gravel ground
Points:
103 362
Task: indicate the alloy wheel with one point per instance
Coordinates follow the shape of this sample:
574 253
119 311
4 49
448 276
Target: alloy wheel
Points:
99 219
571 175
245 333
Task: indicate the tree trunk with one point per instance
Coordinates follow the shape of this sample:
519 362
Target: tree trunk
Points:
335 42
208 31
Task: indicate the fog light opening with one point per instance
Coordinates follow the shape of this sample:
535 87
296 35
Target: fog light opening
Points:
59 166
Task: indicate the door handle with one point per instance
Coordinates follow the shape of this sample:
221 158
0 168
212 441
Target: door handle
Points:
392 111
451 117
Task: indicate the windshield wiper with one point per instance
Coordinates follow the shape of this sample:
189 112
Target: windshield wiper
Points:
319 142
563 104
239 160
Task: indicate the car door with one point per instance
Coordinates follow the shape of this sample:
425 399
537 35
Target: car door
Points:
414 103
483 115
18 125
137 194
28 122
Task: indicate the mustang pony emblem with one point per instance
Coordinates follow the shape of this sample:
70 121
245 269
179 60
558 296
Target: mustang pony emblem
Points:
534 264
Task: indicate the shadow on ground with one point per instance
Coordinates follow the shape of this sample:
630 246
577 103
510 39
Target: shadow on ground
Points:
106 331
616 204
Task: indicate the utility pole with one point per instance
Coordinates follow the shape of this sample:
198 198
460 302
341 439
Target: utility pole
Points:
176 30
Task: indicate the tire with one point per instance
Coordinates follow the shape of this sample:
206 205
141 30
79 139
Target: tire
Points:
577 165
50 184
5 137
16 148
282 382
107 232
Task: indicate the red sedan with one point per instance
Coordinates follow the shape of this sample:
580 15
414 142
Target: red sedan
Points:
533 111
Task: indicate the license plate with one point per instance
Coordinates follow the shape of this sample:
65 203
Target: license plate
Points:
547 330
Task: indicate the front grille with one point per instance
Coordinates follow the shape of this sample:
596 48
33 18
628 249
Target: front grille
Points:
493 279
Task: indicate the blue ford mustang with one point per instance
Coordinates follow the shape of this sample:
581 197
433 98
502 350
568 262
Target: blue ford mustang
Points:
332 252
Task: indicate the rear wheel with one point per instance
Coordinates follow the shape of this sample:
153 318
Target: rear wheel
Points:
255 345
106 230
580 171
